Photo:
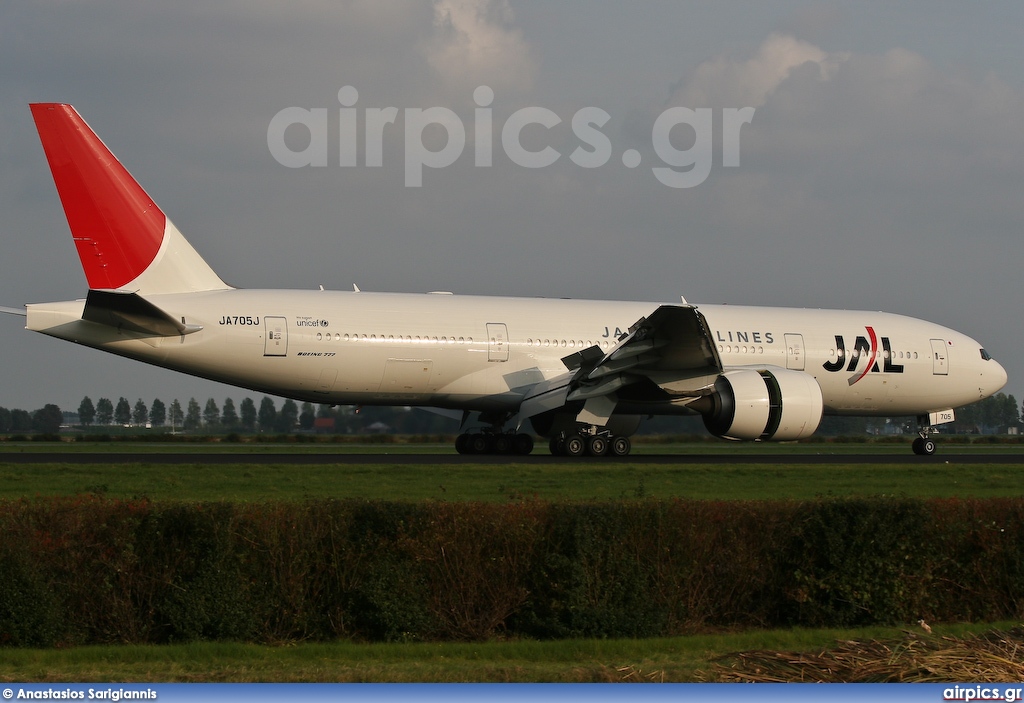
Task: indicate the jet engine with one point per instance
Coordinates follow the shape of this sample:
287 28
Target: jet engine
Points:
775 403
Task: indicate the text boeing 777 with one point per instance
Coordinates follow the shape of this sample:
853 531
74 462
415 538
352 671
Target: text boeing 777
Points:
581 372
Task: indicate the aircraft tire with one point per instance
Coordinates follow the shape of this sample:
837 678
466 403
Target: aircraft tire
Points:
574 446
522 444
620 446
597 446
462 443
479 443
502 444
923 447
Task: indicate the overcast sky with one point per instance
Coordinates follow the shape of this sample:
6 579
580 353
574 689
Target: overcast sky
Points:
882 168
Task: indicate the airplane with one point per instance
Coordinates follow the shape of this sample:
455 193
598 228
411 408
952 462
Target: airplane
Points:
582 373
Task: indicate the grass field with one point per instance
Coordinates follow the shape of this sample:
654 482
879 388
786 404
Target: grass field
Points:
689 478
675 659
678 659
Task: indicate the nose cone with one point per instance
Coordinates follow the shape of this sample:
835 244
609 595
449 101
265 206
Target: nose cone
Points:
993 376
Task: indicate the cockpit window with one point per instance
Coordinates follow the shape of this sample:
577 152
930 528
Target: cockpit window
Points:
984 355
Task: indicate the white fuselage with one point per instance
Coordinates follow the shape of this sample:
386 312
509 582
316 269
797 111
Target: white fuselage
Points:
483 353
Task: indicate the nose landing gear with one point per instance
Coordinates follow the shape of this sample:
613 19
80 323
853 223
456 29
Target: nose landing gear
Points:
924 445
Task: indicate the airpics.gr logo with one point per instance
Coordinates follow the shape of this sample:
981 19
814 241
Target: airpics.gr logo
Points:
863 348
678 168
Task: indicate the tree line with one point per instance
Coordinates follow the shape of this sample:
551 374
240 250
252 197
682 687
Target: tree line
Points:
192 416
995 415
211 417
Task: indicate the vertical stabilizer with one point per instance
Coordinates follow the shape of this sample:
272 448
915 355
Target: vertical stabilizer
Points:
125 242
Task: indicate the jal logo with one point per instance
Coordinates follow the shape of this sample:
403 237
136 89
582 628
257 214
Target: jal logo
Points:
863 348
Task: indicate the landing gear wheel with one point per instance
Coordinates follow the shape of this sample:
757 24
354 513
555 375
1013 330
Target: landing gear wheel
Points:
462 444
574 446
555 446
479 443
923 447
620 446
522 444
597 446
502 444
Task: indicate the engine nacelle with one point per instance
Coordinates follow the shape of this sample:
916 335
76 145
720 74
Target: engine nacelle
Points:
777 404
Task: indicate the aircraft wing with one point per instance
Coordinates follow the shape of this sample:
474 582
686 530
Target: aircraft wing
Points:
670 352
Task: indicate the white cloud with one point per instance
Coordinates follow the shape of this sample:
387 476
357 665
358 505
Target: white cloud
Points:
726 82
475 44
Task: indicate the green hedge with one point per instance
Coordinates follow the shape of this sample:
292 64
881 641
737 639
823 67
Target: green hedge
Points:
91 570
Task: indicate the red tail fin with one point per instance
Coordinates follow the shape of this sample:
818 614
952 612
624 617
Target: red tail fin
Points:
117 227
120 232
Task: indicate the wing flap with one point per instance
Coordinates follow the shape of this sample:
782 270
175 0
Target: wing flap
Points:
670 344
669 355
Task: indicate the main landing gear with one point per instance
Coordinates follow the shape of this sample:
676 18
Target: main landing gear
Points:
923 445
570 444
590 442
494 443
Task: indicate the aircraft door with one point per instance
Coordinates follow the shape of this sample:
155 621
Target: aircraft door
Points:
275 336
940 358
497 341
795 352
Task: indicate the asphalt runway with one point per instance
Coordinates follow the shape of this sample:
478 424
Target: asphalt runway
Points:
453 459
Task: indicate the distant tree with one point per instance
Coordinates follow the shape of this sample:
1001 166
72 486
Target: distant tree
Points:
123 412
288 417
140 413
211 414
267 414
158 413
5 420
1012 411
996 413
987 413
177 416
193 415
307 416
86 412
104 411
228 415
248 415
47 419
21 421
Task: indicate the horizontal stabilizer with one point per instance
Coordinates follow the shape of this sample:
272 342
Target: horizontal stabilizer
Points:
130 311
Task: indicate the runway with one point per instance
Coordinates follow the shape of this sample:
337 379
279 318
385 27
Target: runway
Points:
453 459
